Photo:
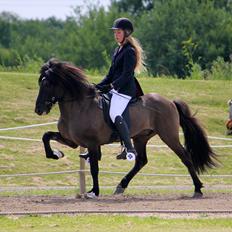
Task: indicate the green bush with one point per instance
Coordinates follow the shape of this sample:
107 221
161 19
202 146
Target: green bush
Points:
196 72
27 65
221 70
9 57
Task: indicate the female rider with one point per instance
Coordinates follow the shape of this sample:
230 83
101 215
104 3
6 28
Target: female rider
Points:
120 80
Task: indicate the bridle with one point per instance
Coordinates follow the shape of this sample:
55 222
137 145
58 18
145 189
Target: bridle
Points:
53 99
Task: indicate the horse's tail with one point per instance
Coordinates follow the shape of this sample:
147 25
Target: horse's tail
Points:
196 142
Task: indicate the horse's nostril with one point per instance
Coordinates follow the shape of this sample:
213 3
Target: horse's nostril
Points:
38 111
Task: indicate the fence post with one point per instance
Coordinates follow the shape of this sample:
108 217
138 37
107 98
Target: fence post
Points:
82 173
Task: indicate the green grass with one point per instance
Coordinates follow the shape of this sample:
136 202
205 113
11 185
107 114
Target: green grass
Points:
17 99
114 223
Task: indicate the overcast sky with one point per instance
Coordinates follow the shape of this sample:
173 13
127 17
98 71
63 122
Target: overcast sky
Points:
42 9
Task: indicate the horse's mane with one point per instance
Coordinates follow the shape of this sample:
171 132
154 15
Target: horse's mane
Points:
69 76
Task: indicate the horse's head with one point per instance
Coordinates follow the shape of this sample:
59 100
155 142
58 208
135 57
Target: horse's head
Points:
60 82
48 91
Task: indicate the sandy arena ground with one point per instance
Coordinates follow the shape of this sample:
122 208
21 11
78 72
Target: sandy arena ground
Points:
210 201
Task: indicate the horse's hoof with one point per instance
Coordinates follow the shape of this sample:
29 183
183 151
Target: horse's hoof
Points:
197 195
58 154
90 195
119 190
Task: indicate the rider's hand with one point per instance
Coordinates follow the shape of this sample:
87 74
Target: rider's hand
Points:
104 88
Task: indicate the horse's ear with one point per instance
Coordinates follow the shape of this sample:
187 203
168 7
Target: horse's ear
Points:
49 63
46 66
53 61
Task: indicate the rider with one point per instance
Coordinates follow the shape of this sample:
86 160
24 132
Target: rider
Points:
120 80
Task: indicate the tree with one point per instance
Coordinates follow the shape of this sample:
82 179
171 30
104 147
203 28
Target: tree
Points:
91 44
133 7
164 30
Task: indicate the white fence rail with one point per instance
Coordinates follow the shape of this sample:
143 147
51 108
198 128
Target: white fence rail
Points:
82 171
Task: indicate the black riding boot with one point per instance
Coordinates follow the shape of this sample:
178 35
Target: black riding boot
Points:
124 133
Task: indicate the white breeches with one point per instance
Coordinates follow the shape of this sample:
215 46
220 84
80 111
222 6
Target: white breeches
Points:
118 104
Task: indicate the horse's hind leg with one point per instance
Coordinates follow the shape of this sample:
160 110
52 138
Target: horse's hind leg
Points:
50 154
140 162
172 140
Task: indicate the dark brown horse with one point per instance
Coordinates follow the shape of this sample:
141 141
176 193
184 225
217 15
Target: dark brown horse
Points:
81 123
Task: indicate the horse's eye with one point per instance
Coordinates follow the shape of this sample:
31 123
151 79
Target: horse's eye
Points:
45 83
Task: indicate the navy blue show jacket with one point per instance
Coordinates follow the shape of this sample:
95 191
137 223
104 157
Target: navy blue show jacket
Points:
121 72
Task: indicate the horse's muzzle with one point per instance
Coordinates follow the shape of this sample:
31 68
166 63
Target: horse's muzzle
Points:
43 107
38 111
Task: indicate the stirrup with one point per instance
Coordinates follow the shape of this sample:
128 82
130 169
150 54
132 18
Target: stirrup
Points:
129 155
122 155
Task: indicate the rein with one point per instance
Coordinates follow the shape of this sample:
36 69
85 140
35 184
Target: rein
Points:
54 100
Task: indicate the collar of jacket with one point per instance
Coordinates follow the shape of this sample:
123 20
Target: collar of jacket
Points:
117 51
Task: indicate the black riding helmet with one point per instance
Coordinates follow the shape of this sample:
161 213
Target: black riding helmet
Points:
124 24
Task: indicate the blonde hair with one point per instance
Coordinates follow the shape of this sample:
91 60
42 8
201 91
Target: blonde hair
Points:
140 55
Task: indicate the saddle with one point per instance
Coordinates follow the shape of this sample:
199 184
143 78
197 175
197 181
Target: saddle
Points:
104 104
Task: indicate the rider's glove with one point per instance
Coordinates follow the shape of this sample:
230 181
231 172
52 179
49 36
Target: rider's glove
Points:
104 88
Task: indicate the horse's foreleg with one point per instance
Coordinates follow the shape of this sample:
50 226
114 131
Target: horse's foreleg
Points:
140 162
50 154
94 169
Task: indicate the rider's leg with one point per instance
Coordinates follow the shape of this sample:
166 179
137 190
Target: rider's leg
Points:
124 133
117 106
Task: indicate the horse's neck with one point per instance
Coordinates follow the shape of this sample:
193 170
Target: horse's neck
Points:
75 108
